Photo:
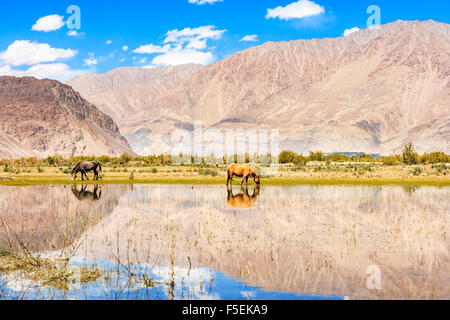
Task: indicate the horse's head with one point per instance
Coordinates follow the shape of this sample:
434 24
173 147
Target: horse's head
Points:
256 176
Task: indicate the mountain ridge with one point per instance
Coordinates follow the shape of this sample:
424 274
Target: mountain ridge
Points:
372 91
45 117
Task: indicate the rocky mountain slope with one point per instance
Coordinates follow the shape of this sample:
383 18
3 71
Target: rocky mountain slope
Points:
372 91
123 92
46 117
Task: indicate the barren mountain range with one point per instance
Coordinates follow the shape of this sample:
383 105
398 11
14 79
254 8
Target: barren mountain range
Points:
372 91
45 117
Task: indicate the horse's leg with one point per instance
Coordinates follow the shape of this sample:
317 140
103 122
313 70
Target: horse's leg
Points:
95 175
87 177
242 183
246 181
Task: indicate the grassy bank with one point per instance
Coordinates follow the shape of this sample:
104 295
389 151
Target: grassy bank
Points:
351 174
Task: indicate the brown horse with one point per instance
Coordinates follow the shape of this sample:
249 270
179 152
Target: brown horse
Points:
243 170
242 200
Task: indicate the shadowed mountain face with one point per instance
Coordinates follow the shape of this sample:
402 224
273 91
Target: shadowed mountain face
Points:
372 91
46 117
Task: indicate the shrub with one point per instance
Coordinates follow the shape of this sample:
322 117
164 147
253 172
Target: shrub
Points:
392 160
417 171
208 172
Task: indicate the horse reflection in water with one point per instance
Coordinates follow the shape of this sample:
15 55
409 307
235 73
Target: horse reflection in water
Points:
243 199
85 195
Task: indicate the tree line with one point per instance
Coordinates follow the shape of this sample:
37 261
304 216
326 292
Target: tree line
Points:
408 157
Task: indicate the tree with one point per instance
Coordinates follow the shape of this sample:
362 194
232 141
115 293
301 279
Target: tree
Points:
316 156
125 158
410 157
287 157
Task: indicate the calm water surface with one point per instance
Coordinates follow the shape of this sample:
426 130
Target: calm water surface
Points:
207 242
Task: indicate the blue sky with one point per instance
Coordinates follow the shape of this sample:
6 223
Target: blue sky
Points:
153 33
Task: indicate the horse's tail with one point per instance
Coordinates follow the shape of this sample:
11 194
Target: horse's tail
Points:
76 167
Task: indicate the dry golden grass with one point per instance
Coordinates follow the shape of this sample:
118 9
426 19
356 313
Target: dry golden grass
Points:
317 174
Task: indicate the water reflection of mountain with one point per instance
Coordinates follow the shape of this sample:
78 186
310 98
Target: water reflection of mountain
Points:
314 240
51 217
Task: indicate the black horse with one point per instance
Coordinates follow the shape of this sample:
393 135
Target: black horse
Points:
85 195
84 167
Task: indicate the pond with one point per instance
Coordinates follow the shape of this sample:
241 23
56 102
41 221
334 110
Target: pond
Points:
210 242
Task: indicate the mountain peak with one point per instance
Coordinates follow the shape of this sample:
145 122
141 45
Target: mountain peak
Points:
373 91
46 117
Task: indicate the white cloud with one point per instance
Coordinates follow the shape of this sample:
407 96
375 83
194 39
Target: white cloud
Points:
109 42
57 71
201 2
350 31
296 10
74 33
183 46
90 61
49 23
184 57
250 38
122 60
143 60
150 48
24 52
193 36
125 48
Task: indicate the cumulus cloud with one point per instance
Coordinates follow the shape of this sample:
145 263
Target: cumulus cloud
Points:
57 71
150 48
49 23
201 2
91 61
193 36
39 60
109 42
188 45
350 31
25 52
296 10
250 38
125 48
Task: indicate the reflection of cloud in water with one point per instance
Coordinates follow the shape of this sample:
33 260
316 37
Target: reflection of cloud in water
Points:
191 284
